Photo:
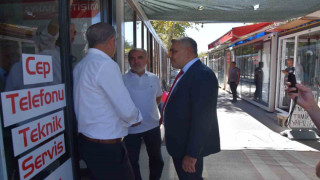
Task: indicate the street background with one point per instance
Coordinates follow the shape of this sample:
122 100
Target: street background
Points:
252 148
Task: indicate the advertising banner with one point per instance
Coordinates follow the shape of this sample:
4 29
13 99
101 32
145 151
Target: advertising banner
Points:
18 106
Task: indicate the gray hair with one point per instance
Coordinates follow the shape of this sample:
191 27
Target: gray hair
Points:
187 42
138 49
99 33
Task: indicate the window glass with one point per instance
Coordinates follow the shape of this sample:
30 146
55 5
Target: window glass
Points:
247 59
139 32
80 21
263 74
31 74
128 33
286 52
145 38
307 65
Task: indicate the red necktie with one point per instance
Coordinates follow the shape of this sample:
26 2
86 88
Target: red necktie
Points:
165 103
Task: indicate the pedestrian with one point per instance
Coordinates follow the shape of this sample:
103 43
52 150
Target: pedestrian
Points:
103 108
233 80
290 68
145 90
258 81
306 100
190 112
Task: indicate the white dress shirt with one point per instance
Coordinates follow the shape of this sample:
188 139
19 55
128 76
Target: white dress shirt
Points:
144 90
102 103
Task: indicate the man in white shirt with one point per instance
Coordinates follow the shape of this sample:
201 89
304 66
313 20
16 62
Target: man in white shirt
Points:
145 91
103 107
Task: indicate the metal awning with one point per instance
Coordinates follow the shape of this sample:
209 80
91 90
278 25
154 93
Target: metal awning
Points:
239 32
227 10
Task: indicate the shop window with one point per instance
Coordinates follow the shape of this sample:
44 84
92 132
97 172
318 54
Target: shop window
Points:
307 65
80 21
286 52
247 59
30 71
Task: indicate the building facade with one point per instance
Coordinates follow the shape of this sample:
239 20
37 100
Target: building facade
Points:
40 42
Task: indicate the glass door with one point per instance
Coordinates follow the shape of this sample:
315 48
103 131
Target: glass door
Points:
287 52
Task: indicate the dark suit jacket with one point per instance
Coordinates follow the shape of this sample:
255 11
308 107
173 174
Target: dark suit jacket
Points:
190 118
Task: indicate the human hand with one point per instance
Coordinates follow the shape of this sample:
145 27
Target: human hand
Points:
189 164
318 169
305 96
136 124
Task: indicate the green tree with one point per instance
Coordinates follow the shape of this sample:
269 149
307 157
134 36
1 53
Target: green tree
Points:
168 30
202 54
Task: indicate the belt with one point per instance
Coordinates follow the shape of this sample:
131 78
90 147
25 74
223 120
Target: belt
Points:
102 141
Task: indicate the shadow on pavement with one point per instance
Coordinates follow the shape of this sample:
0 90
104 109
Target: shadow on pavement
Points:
269 119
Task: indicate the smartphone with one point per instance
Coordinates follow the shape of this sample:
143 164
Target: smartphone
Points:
293 81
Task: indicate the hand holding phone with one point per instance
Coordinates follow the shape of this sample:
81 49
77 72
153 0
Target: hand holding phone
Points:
293 82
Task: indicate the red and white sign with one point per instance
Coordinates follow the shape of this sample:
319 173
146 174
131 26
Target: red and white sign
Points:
64 172
32 163
36 69
31 134
20 105
85 9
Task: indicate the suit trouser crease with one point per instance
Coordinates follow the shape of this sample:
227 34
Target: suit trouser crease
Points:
152 139
106 161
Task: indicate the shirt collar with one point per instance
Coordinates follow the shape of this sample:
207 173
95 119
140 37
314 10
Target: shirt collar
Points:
189 64
98 52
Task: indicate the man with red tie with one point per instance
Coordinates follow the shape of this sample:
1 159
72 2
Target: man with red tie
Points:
190 112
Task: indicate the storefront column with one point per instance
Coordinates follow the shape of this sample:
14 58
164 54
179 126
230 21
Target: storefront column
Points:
273 72
120 34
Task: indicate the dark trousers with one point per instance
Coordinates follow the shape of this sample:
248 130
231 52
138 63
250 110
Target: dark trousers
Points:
106 161
233 87
152 139
188 176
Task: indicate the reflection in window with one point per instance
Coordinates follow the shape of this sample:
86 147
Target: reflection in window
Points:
247 59
286 52
307 67
80 22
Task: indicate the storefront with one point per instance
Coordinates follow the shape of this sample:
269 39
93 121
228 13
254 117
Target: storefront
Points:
304 48
254 61
40 42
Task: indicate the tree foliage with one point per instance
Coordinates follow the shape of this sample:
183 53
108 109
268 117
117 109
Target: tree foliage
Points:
168 30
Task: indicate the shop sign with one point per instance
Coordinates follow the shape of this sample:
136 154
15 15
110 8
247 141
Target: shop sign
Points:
33 10
36 69
64 172
31 134
300 118
20 105
84 9
32 163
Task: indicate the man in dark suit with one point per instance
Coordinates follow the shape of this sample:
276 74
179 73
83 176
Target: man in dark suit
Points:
190 116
